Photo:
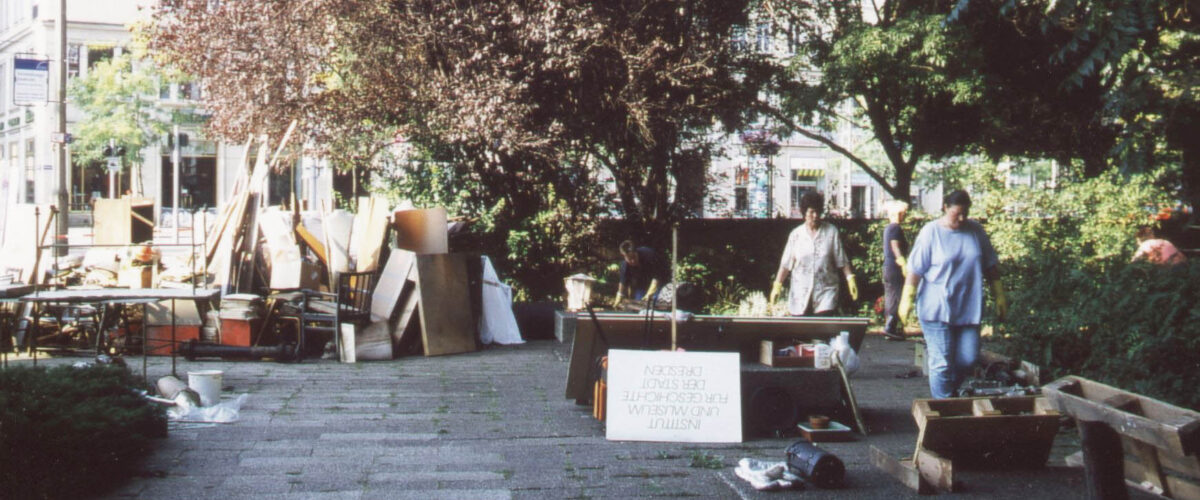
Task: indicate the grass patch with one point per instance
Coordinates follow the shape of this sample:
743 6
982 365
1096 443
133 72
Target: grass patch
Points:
705 460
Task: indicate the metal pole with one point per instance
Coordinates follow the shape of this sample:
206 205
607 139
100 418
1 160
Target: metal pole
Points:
64 203
675 280
175 179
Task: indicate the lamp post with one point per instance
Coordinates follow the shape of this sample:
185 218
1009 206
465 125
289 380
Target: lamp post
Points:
64 202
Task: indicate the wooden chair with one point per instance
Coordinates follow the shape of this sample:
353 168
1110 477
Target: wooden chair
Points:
326 312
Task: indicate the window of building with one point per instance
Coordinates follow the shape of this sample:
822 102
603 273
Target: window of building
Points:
741 175
762 39
98 54
189 91
741 200
73 51
738 39
858 201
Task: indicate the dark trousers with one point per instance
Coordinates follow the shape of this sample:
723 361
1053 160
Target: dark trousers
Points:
893 285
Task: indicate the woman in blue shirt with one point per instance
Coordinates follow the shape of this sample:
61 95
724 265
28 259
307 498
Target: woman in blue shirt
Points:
949 260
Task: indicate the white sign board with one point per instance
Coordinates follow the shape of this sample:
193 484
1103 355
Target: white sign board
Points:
31 81
692 397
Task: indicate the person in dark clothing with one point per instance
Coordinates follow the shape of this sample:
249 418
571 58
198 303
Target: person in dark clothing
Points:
895 248
642 273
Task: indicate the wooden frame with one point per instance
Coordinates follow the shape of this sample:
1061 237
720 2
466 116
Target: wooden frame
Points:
1159 442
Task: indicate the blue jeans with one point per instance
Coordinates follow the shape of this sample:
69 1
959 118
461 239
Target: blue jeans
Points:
950 353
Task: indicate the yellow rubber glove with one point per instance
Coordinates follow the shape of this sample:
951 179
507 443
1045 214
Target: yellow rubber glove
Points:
852 285
775 290
651 289
903 263
906 302
1001 300
617 301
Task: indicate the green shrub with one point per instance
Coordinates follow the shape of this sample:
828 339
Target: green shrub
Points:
1133 326
71 432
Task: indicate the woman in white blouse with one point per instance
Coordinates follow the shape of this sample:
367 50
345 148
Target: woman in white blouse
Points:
813 256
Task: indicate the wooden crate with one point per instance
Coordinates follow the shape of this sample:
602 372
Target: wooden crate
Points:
997 431
1160 441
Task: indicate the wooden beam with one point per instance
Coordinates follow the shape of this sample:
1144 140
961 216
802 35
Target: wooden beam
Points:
904 470
935 470
309 239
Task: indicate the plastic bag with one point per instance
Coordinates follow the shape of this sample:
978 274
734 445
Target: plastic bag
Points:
844 354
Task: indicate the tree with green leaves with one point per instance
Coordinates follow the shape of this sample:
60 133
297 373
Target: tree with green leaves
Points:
893 70
532 103
1111 83
119 102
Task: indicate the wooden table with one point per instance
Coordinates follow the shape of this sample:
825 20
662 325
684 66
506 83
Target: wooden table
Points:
109 298
700 333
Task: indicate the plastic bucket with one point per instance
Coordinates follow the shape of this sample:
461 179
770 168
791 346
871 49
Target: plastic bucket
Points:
208 384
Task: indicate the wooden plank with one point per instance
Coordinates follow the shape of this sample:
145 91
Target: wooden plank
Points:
983 408
1177 487
447 325
374 343
904 470
391 284
375 230
311 240
935 470
358 228
213 240
1165 426
347 349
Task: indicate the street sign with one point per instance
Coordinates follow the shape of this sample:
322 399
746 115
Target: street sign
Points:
31 80
114 165
61 138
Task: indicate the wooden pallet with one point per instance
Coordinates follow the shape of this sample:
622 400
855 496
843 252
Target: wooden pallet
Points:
1160 442
998 432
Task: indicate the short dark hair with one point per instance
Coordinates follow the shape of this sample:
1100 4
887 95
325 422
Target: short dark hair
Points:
626 247
957 197
813 200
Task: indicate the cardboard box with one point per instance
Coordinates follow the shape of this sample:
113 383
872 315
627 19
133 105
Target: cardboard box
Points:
239 332
158 338
767 356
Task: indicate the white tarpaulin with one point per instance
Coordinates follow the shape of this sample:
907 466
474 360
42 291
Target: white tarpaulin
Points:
497 323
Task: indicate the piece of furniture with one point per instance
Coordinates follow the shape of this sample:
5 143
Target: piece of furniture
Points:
113 299
701 333
350 303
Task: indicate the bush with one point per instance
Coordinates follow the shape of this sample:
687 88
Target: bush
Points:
1133 326
71 432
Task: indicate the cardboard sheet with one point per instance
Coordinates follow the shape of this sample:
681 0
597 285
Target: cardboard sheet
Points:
422 230
391 284
447 324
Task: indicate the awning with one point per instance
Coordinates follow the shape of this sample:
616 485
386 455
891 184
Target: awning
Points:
807 173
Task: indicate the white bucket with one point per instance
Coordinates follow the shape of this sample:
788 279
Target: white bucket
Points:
208 384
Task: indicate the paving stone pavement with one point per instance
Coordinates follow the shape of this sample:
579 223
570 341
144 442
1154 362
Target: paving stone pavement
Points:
494 424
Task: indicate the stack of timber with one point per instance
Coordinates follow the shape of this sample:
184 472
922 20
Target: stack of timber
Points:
984 433
1130 438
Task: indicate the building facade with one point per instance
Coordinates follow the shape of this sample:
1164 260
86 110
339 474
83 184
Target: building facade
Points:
98 30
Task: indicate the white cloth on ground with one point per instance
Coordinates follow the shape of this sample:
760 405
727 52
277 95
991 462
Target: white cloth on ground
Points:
767 476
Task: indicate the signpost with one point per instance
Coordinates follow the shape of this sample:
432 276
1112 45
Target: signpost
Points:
669 396
31 80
